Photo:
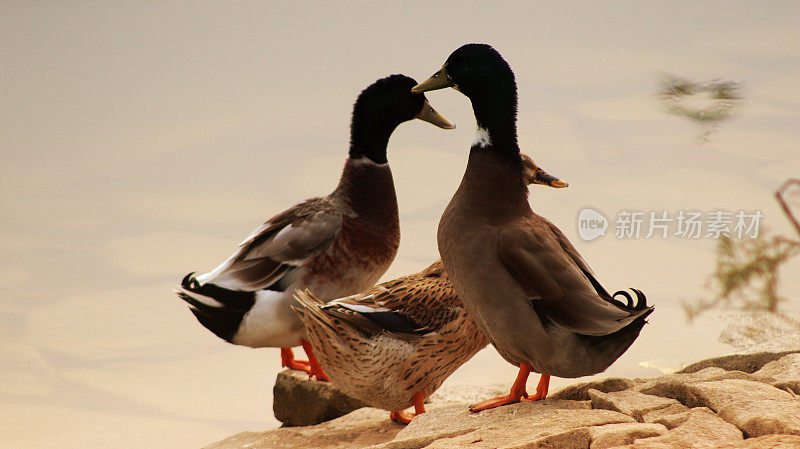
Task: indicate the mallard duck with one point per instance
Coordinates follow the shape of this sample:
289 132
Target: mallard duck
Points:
393 345
526 286
334 246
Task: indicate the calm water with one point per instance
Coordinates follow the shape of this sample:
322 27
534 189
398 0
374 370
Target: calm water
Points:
142 142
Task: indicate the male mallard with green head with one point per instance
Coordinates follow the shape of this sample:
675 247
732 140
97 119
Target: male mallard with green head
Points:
334 246
393 345
520 278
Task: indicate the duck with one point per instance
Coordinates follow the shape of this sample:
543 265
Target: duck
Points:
393 345
524 283
333 246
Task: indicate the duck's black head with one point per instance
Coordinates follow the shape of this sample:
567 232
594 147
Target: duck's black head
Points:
479 72
380 108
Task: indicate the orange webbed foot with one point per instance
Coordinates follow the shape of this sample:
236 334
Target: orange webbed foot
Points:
495 402
401 417
318 373
315 368
404 417
516 394
288 361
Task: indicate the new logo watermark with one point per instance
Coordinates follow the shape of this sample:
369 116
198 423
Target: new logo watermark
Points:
684 224
591 224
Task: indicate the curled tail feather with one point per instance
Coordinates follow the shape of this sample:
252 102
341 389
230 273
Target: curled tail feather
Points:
641 299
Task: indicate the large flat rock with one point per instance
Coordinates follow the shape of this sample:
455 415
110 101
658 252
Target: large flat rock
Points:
737 402
457 420
527 424
361 428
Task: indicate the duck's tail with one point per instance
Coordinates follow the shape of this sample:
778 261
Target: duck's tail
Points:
605 349
309 307
218 309
638 312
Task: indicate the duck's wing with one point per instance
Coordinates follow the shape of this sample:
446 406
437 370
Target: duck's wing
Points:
406 307
573 253
286 241
561 288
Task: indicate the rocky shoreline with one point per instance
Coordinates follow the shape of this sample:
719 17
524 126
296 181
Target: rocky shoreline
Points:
738 401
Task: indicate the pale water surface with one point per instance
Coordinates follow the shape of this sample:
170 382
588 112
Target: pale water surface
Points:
141 141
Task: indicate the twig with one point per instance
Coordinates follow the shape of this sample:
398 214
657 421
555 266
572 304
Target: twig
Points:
786 210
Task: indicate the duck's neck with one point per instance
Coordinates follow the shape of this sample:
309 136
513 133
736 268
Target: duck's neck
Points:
368 189
369 139
493 187
495 109
494 182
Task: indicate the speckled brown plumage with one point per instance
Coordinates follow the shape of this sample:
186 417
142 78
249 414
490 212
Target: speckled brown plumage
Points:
384 367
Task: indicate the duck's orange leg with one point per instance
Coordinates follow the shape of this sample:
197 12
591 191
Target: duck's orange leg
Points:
541 389
315 370
288 361
404 417
517 391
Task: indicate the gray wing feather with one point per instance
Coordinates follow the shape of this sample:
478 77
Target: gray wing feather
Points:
559 288
286 241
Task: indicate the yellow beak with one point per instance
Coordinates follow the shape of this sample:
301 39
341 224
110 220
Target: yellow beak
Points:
428 114
439 80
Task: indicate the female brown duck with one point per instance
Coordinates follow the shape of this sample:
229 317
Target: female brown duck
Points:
526 286
335 245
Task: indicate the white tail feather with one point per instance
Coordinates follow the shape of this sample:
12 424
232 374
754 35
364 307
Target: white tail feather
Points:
207 300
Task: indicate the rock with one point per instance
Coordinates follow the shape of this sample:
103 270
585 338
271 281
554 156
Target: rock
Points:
299 401
678 386
755 408
748 363
471 394
654 415
699 428
361 428
629 402
613 435
580 392
578 438
528 422
783 373
767 442
675 420
710 407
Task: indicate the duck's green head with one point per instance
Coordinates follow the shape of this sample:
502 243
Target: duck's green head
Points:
473 69
380 108
479 72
